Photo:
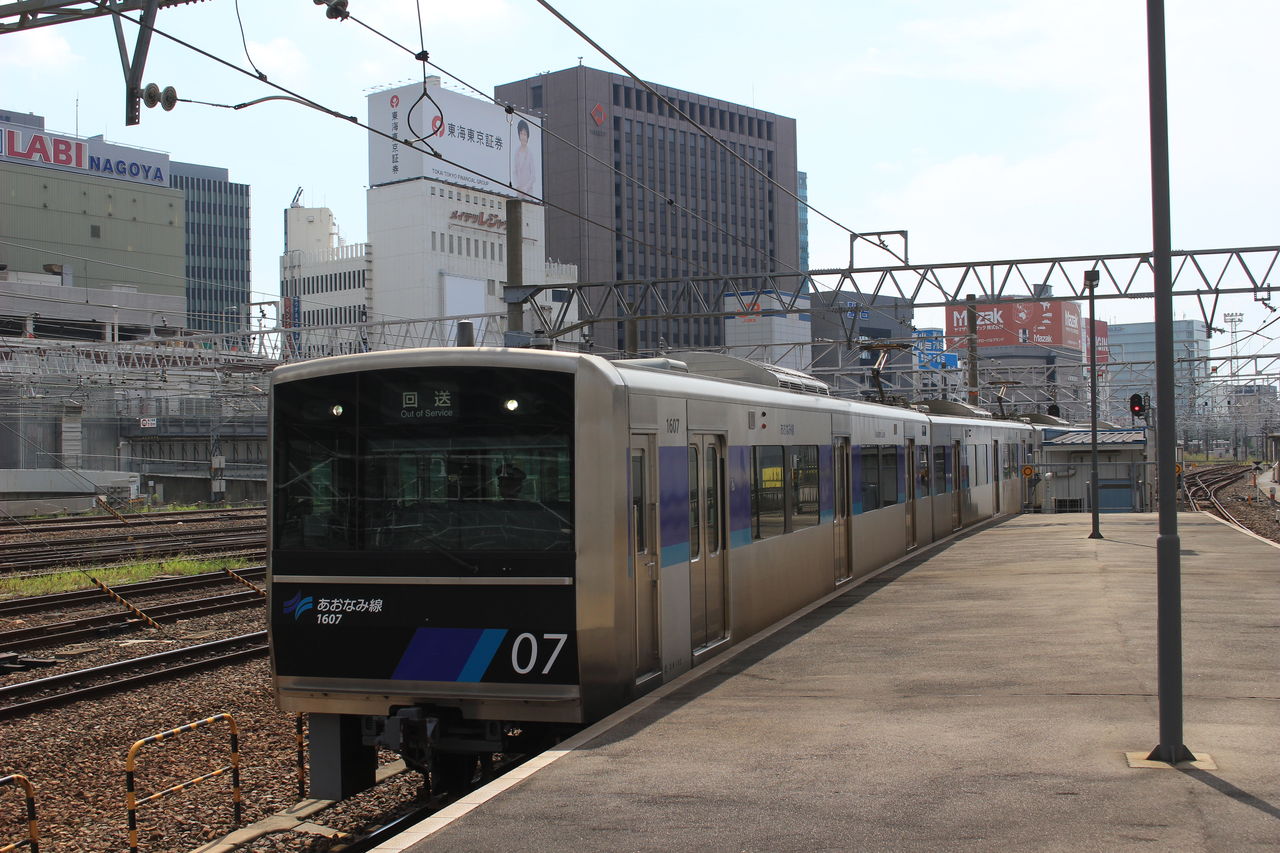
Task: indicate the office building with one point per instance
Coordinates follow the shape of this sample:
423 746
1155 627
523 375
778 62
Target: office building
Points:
635 192
217 246
106 216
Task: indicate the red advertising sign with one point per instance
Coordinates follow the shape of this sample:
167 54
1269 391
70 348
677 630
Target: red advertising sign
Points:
1052 324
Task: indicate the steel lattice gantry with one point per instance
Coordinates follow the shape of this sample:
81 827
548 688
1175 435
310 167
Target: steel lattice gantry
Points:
1207 275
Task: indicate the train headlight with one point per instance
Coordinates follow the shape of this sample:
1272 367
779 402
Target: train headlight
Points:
336 411
511 405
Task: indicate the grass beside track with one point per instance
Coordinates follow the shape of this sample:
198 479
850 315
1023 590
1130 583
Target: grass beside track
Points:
73 579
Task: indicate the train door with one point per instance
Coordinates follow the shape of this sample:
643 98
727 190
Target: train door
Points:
644 554
995 473
957 484
911 493
844 565
706 539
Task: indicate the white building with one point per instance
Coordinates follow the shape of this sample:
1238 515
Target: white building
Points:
441 251
437 250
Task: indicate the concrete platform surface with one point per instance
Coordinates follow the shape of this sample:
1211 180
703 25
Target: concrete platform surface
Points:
978 697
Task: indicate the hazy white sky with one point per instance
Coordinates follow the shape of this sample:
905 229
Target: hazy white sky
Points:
990 129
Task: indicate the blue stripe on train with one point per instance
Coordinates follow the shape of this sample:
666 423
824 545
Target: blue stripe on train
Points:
449 654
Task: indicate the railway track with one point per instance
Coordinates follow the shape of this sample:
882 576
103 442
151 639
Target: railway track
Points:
120 547
43 526
57 600
1202 489
30 696
111 623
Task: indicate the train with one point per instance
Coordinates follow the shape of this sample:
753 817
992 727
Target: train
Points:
477 550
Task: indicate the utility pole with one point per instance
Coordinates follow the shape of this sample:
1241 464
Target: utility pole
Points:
1170 749
971 302
1091 284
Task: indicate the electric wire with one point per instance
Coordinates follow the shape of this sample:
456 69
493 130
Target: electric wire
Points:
354 120
675 109
668 200
245 42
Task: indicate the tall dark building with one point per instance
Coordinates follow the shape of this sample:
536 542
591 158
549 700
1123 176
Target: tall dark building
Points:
632 165
217 215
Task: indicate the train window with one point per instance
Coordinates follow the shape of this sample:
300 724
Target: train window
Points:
966 454
638 498
803 474
768 514
870 477
940 470
695 529
712 482
405 460
315 487
922 471
888 475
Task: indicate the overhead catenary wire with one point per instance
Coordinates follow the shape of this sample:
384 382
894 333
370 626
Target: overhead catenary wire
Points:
690 120
511 108
302 99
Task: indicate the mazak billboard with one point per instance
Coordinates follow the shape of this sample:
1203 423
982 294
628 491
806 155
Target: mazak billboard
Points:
29 146
1007 324
488 149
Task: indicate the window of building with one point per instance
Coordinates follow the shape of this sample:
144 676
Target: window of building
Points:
535 97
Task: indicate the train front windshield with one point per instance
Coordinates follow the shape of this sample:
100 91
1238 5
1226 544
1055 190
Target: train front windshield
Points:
424 471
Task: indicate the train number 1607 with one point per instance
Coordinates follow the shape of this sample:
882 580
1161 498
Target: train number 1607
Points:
526 651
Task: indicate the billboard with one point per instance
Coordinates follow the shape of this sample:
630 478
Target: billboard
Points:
1102 333
494 151
29 146
930 349
1007 324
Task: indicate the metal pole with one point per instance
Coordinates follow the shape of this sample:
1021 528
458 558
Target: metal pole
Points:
1168 559
972 303
1091 284
515 263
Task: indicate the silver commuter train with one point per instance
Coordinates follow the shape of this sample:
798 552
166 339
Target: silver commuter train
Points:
470 547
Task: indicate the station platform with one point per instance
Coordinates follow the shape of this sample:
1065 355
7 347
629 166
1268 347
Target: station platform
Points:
979 696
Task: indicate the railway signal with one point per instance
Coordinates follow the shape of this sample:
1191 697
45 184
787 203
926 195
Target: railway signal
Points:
1137 406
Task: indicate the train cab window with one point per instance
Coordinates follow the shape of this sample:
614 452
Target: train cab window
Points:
421 460
315 485
803 477
768 499
940 470
695 531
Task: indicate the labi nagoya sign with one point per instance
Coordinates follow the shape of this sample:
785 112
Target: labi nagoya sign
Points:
481 145
31 146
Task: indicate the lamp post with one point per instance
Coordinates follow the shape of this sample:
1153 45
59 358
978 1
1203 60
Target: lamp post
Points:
1091 284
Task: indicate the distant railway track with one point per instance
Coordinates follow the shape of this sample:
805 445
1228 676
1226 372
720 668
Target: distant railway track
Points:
17 639
1202 488
125 546
58 600
14 526
30 696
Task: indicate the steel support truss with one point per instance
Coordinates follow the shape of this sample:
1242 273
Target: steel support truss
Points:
1206 275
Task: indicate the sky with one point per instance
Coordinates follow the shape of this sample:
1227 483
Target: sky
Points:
989 129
